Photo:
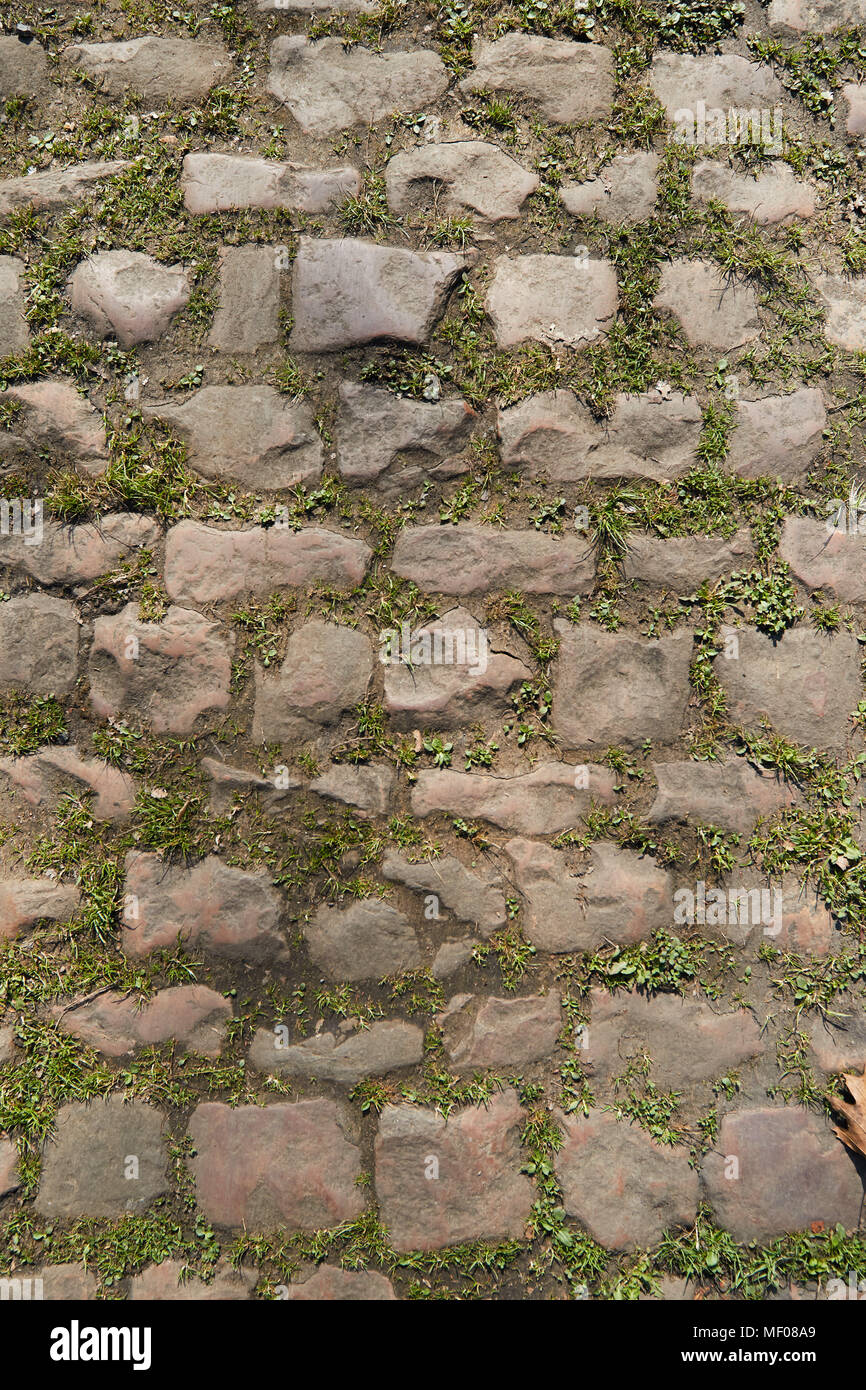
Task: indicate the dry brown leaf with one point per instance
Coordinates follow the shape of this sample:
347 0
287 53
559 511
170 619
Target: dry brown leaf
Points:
853 1135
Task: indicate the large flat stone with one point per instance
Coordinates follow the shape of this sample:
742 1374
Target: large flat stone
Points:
647 436
551 299
778 436
204 565
128 295
343 1058
552 909
328 88
56 188
172 1282
714 310
468 559
248 316
822 557
773 197
719 81
212 906
42 778
326 671
117 1025
626 1189
500 1033
790 1172
38 645
567 81
365 941
729 793
55 420
689 1040
23 69
454 679
251 434
333 1285
477 1192
397 443
287 1166
806 684
457 177
347 292
25 901
613 688
370 789
683 563
14 332
474 895
551 798
625 190
225 182
86 1164
814 16
845 301
165 673
158 69
78 554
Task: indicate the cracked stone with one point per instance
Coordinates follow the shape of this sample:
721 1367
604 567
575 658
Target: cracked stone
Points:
611 688
646 436
128 295
326 671
551 798
251 434
468 559
225 182
373 1051
116 1024
713 309
227 782
567 81
625 190
469 683
688 1040
328 88
791 1173
213 906
158 69
347 292
822 557
778 436
457 177
165 673
626 1189
806 683
38 645
471 895
398 443
365 941
479 1194
292 1166
85 1164
370 789
204 565
551 299
492 1032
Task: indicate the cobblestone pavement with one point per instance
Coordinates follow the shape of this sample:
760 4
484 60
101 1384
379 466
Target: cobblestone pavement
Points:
431 704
